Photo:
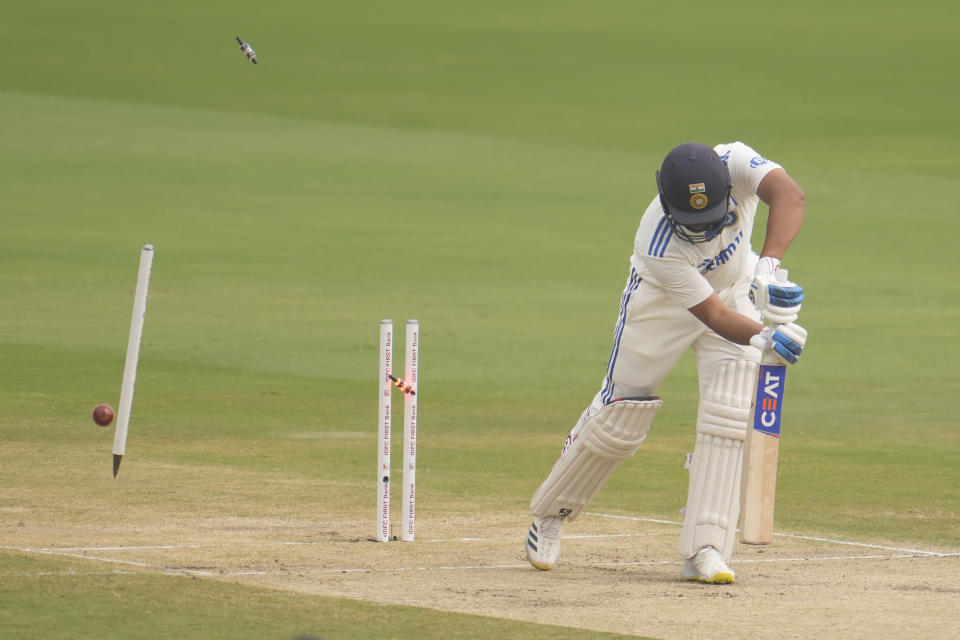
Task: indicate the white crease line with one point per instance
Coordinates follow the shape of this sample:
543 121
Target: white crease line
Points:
387 570
922 554
796 536
354 570
904 553
571 536
132 563
615 516
597 564
143 548
736 561
67 572
865 544
652 563
189 571
84 557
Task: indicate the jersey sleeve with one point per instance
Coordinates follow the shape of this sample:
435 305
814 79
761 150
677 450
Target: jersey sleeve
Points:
747 167
666 262
681 281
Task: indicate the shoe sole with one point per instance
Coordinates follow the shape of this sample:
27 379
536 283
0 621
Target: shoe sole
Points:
720 578
539 566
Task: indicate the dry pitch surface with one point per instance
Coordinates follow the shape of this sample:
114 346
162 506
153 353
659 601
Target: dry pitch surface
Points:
617 574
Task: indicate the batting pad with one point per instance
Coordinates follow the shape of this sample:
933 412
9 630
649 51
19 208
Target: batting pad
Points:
606 438
713 499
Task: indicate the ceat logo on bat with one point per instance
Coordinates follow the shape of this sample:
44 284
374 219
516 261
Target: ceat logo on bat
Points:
769 400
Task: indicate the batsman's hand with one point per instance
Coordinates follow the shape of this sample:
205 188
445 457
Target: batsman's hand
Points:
784 341
773 294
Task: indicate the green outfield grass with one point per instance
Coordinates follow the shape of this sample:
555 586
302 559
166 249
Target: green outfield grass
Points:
480 166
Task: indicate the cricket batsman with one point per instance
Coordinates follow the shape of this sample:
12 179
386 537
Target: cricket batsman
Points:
696 283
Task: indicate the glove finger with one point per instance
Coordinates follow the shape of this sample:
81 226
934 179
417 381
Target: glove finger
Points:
786 286
779 315
785 354
786 294
774 318
781 338
794 331
777 301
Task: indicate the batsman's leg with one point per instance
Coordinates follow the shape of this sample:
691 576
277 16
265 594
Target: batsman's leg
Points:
598 444
637 365
713 498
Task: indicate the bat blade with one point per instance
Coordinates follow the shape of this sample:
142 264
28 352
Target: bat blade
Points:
761 451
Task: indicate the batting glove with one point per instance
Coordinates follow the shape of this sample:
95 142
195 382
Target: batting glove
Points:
773 294
785 341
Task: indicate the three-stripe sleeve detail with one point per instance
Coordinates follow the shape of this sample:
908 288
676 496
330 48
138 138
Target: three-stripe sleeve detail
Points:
661 238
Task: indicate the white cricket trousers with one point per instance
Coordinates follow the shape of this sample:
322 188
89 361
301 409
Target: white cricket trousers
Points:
652 332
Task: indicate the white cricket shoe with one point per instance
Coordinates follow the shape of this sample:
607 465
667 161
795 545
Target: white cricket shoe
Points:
543 542
707 566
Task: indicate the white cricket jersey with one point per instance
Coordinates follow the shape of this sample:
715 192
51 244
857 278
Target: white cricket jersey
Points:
690 272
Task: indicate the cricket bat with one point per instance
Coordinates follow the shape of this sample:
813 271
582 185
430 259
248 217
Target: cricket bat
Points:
761 448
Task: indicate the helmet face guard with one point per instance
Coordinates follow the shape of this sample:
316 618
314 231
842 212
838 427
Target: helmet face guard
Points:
706 230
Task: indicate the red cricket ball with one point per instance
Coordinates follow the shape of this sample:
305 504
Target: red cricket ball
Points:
103 414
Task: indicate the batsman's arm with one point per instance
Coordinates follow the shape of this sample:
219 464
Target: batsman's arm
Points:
787 204
786 340
726 322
